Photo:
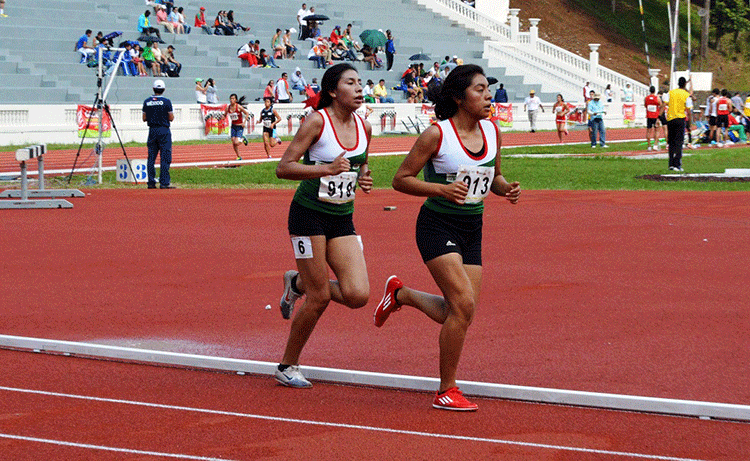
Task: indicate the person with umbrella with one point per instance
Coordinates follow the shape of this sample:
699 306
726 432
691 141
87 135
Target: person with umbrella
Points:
390 49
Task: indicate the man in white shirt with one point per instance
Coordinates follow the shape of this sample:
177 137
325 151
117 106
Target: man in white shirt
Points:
532 104
282 90
302 24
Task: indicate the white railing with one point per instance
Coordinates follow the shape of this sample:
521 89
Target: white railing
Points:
474 19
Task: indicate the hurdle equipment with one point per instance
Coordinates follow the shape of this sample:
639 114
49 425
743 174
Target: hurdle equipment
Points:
23 155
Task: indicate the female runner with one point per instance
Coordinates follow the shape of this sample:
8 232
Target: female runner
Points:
460 156
561 109
269 118
334 142
237 116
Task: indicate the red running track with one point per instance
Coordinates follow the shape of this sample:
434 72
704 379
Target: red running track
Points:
639 293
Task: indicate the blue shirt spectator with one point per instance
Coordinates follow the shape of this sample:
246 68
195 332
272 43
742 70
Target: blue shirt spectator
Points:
595 108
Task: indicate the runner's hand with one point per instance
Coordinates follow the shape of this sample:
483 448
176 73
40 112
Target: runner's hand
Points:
456 192
514 193
339 165
365 180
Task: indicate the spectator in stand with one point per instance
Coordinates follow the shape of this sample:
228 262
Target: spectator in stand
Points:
652 103
339 47
501 95
609 95
128 66
200 91
277 44
281 90
266 60
532 105
235 25
317 54
2 9
200 21
596 112
348 40
149 60
627 93
211 96
738 122
248 53
173 64
586 98
83 47
174 19
390 49
290 49
220 24
444 73
368 55
144 25
367 92
162 20
159 58
181 20
268 93
135 56
314 85
381 92
313 29
301 22
297 80
413 91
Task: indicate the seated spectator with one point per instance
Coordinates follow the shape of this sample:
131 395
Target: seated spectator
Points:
127 64
370 57
174 19
150 62
144 25
297 81
159 58
367 92
413 91
181 20
220 25
83 47
348 40
248 53
314 85
381 92
135 56
162 20
235 25
277 45
317 54
444 73
200 21
736 120
174 67
266 60
290 49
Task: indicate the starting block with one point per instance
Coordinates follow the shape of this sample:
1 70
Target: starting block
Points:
24 155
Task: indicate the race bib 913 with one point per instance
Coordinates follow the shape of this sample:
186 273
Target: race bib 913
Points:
478 179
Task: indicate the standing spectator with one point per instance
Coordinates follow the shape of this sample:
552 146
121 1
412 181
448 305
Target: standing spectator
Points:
531 105
281 90
157 113
2 9
298 81
679 101
200 91
144 25
561 109
652 104
200 21
737 101
501 95
609 95
173 64
746 110
390 49
627 93
277 44
83 47
290 49
586 98
444 73
237 116
711 101
596 112
211 96
301 22
381 92
317 54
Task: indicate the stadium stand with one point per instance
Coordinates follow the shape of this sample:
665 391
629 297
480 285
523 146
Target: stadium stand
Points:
45 69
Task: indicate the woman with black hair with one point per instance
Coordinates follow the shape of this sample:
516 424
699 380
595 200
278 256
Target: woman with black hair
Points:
333 143
460 156
238 117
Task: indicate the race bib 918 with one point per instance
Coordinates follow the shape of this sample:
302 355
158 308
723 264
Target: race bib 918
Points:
478 179
339 188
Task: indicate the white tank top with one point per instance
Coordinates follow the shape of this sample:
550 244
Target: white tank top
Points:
328 146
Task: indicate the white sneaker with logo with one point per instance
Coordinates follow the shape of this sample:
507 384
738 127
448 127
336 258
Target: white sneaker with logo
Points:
292 377
290 295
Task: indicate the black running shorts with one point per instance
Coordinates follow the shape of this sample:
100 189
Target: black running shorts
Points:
722 121
651 122
441 233
305 222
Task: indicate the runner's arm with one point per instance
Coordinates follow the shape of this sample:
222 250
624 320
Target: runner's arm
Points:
289 166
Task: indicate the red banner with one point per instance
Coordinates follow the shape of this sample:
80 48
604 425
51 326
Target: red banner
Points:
503 114
215 122
575 114
90 126
628 113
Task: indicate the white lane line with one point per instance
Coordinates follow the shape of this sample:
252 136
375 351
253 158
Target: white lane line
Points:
348 426
103 448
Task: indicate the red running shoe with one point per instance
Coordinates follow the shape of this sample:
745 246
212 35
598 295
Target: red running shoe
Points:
454 400
388 304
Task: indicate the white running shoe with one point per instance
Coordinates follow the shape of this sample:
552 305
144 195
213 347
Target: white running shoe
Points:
292 377
290 295
650 148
